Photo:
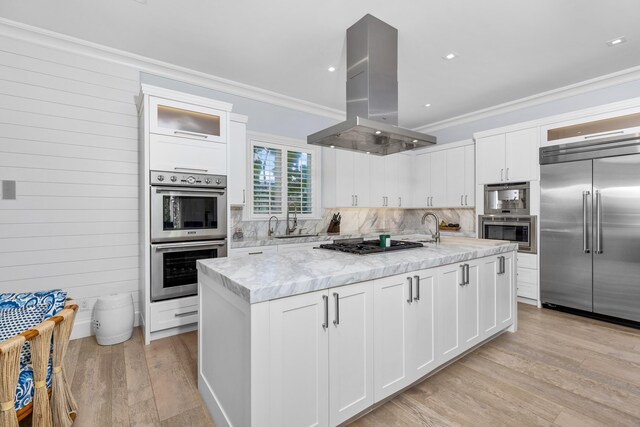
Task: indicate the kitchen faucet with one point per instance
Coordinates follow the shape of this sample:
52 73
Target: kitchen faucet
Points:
436 235
295 221
272 231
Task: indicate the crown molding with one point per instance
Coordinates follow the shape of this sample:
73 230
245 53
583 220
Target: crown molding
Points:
579 88
40 36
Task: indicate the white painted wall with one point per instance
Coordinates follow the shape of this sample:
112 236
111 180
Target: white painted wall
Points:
68 136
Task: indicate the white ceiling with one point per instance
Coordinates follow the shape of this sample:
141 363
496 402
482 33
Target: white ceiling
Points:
509 49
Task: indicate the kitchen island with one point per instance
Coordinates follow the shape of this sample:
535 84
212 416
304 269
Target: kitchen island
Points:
317 337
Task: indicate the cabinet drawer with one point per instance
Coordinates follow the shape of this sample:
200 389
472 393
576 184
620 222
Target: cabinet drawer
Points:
255 250
168 153
292 247
528 261
169 314
528 275
527 290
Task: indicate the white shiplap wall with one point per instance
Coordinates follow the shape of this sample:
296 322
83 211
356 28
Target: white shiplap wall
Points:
68 136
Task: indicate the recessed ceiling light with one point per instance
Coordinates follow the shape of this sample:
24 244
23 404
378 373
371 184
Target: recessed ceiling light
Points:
427 105
449 56
378 132
616 41
331 69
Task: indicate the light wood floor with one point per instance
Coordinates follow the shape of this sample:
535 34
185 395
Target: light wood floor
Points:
558 369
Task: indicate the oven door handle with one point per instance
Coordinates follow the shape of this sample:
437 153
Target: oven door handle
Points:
187 191
186 245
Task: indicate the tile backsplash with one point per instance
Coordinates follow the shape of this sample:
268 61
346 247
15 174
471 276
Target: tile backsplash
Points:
359 220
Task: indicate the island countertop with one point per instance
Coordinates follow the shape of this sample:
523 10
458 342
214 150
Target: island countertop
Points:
266 277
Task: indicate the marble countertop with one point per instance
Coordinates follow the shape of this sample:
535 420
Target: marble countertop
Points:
270 276
323 237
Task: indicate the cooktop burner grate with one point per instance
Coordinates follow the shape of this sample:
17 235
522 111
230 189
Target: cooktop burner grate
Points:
365 247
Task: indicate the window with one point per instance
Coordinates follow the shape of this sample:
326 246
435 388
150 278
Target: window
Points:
283 175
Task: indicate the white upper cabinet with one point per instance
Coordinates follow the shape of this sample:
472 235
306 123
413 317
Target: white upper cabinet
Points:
345 179
186 120
397 173
522 163
508 157
237 175
170 153
444 178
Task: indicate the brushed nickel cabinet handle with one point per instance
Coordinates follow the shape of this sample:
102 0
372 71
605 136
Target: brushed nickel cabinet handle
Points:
336 297
417 279
188 313
410 281
325 299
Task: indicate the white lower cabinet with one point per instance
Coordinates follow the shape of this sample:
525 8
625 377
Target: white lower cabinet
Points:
350 351
496 293
332 354
321 356
299 361
404 338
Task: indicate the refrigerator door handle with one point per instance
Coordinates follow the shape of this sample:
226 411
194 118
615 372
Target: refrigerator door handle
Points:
598 223
585 222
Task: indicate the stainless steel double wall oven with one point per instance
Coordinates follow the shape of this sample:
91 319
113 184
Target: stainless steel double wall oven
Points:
188 223
507 208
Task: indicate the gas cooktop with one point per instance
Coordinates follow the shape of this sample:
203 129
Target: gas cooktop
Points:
364 247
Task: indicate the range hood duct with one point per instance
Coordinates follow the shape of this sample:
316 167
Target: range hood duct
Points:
372 95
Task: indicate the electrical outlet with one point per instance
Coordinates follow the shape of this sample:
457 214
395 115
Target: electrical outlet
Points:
83 304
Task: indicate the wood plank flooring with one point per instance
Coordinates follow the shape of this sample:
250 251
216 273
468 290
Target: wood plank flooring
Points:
557 370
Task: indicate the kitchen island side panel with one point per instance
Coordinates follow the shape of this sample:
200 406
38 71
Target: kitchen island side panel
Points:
224 347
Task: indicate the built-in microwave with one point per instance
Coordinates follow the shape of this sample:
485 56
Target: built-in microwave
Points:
520 229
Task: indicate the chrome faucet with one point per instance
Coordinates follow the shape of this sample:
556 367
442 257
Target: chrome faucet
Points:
272 231
295 221
436 235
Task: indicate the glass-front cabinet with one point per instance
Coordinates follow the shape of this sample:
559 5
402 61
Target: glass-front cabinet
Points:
187 120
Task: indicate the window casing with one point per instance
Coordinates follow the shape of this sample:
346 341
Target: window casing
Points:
283 172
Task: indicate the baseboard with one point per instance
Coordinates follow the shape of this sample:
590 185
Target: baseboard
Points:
528 301
173 331
82 327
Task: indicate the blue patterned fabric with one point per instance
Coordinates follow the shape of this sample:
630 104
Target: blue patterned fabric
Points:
53 299
14 321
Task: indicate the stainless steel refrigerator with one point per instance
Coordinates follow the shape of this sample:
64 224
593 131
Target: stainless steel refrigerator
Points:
590 226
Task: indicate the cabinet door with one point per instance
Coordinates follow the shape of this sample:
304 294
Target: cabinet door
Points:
438 178
361 184
169 153
469 176
455 161
490 153
350 351
238 162
403 182
344 179
377 181
421 180
469 310
489 276
299 363
522 162
184 120
421 324
447 288
504 292
391 335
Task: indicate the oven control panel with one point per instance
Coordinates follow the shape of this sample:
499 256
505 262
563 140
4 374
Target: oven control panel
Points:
173 178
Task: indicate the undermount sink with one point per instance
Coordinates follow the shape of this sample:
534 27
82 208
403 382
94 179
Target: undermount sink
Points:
293 236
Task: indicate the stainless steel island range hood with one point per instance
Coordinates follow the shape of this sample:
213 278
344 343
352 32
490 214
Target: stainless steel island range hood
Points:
372 95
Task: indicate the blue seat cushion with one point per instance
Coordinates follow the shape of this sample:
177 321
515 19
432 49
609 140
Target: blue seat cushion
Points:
53 299
14 321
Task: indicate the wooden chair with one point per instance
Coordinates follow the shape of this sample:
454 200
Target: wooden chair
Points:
61 409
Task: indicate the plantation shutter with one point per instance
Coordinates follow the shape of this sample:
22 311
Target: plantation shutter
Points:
267 180
299 185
